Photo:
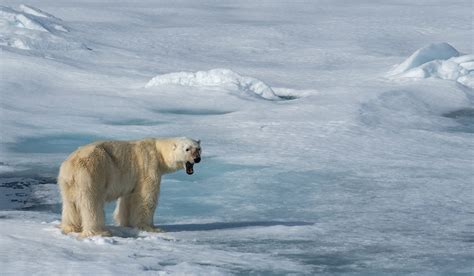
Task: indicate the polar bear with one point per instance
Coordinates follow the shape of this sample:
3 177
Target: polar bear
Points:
129 171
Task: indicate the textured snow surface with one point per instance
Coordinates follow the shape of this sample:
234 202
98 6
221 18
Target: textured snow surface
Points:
440 61
314 161
29 28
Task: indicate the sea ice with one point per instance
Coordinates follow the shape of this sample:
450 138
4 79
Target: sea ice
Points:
350 174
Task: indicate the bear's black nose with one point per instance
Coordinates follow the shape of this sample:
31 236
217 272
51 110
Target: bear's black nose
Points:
197 160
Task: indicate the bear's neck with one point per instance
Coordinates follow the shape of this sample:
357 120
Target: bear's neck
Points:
166 154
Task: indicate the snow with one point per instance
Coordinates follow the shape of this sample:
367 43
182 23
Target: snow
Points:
315 159
428 53
136 251
34 11
440 61
29 28
221 78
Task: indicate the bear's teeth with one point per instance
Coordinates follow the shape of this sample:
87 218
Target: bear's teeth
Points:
189 168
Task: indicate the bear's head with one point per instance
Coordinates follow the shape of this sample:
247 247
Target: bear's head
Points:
187 152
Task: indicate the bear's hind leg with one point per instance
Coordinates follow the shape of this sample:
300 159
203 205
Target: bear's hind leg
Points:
93 216
70 219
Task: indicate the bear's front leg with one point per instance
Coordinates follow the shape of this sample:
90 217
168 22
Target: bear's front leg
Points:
142 206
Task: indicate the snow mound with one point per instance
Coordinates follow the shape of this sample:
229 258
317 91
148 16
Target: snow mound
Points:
439 60
29 28
222 78
428 53
414 108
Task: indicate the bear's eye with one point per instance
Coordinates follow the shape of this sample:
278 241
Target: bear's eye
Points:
188 149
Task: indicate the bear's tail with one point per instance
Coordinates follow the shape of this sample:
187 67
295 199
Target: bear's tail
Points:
65 176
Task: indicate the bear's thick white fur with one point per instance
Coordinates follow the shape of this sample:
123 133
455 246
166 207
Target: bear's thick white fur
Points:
129 171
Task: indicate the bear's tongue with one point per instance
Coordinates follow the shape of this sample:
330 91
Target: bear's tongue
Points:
189 168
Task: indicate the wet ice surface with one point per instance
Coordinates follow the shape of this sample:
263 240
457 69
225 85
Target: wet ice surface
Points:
346 172
464 118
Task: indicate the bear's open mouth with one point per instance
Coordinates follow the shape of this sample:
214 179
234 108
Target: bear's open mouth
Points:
189 168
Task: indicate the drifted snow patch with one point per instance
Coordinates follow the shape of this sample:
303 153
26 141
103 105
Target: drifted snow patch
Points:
29 28
222 78
34 11
438 60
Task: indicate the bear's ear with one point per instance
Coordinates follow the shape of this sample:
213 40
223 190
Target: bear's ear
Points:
174 146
